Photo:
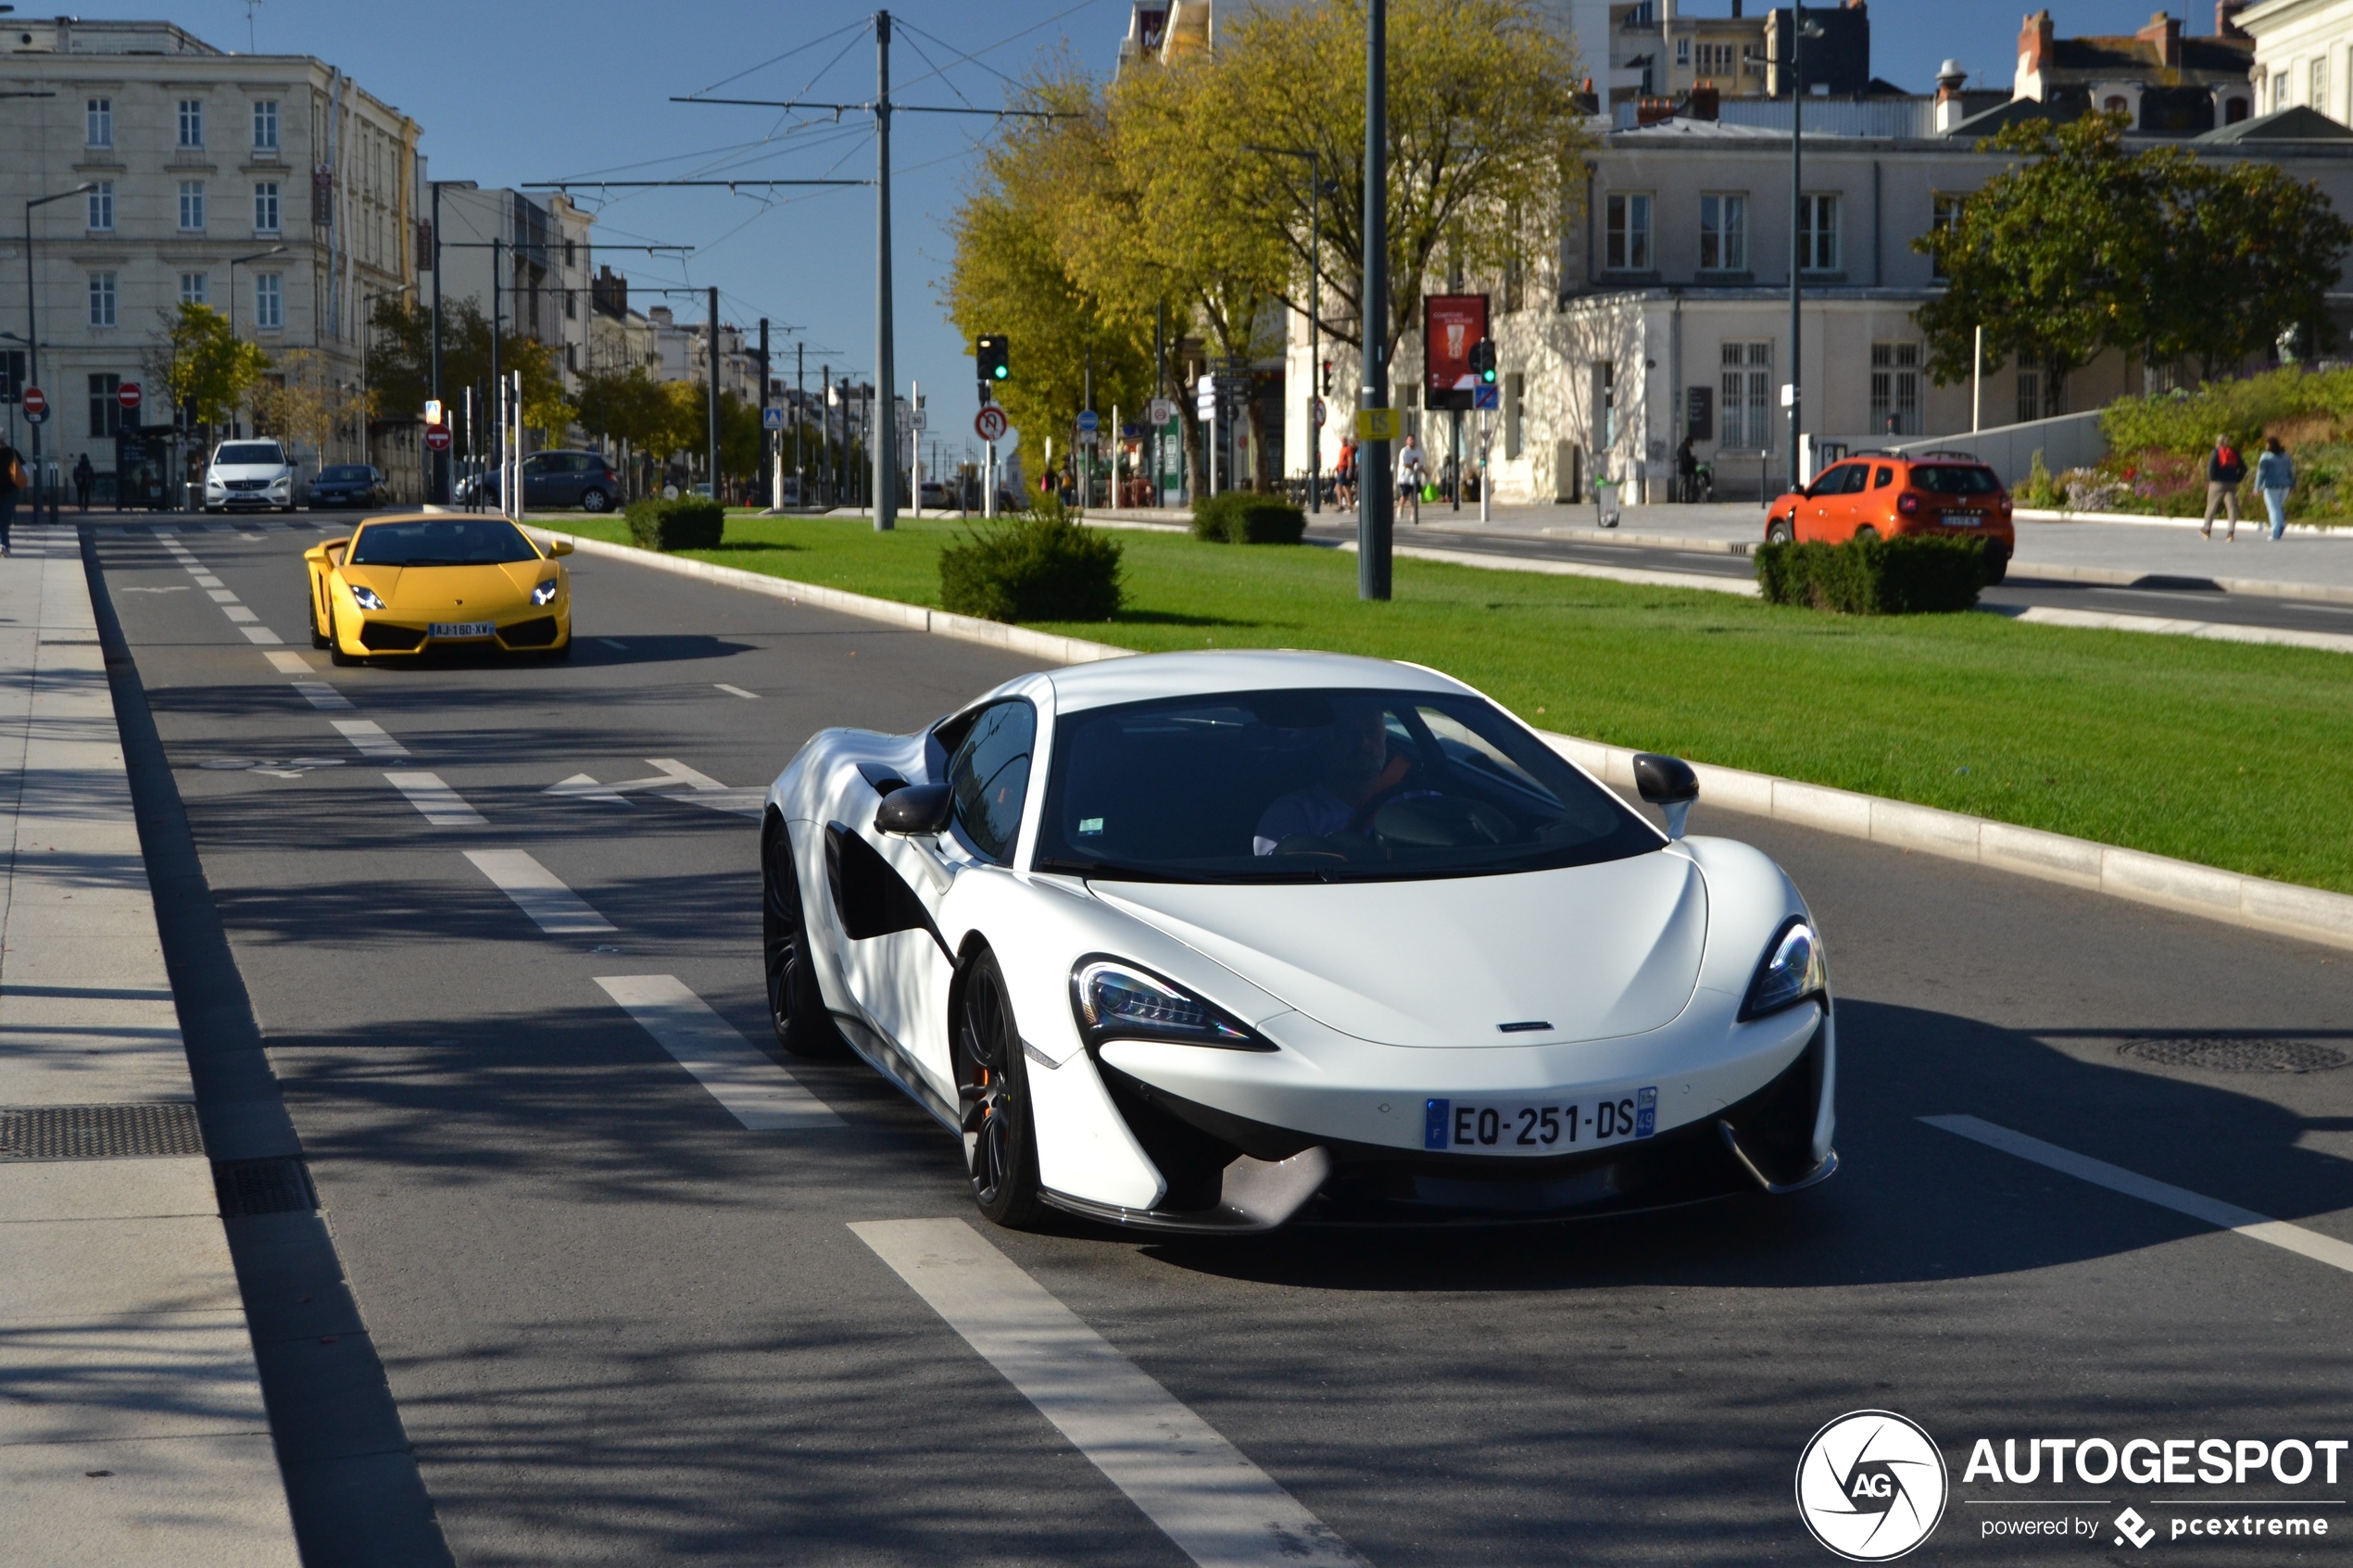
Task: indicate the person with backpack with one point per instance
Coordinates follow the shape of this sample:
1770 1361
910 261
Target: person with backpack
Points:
13 480
2224 469
2275 477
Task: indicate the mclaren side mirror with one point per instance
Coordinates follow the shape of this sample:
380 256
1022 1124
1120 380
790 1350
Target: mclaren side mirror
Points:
1668 784
916 810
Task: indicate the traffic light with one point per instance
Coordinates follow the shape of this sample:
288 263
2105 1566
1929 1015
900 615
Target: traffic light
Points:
991 352
1482 361
1327 378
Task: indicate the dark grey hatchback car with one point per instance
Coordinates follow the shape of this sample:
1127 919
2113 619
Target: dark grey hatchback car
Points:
569 479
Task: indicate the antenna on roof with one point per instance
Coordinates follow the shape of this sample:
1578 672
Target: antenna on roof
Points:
251 7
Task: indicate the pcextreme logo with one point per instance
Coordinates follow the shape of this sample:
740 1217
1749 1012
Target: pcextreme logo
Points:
1871 1486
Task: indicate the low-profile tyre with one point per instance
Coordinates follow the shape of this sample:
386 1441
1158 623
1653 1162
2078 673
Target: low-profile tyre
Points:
318 638
1779 531
796 1005
334 646
595 501
992 1093
1998 564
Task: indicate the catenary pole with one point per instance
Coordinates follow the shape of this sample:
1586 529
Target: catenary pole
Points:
766 478
801 400
1376 503
883 431
1796 230
711 460
438 485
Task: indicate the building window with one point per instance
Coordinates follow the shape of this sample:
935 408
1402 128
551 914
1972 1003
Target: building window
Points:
265 125
268 300
265 208
2320 84
1723 233
2114 104
192 205
106 412
1896 389
2040 395
1818 233
1748 407
1682 51
1628 248
192 123
1515 414
194 288
97 122
2278 92
1944 213
102 299
102 207
1718 60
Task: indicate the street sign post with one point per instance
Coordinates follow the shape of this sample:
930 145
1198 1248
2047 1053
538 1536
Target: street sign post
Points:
35 404
772 417
437 438
1315 411
1161 410
1089 421
989 423
1378 424
128 396
1487 397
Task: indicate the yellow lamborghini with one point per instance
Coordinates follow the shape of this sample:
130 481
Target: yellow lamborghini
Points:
403 584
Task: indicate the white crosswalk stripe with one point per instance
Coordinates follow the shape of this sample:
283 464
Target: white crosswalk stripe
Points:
442 805
755 1090
538 893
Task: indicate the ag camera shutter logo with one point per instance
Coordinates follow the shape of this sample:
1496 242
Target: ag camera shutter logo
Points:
1871 1486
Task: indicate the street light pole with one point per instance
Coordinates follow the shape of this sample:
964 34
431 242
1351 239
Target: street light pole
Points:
235 262
1798 25
1375 502
437 486
367 335
32 338
884 432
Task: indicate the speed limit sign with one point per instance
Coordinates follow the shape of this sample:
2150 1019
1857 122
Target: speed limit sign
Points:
990 423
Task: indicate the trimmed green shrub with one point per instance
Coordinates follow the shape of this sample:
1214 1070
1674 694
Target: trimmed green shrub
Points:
1240 517
1911 574
2038 489
690 522
1040 566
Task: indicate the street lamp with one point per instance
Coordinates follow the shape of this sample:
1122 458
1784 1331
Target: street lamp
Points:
1375 502
1314 303
1799 34
235 262
32 333
367 334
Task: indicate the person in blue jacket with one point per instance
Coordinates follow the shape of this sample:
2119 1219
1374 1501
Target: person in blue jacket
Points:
2275 477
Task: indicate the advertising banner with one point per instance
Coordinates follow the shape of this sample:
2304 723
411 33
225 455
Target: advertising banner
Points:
1450 323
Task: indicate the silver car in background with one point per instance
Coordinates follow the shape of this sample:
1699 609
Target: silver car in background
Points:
250 473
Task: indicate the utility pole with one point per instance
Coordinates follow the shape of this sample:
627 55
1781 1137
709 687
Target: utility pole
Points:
1796 227
883 431
712 461
437 486
764 481
801 398
825 433
1375 502
497 377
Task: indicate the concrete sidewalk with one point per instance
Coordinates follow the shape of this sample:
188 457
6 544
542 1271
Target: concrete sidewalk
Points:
131 1423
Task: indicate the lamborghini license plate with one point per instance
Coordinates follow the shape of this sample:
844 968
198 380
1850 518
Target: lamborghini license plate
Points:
464 628
1511 1127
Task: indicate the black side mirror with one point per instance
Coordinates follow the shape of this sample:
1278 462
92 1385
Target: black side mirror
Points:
1668 784
916 810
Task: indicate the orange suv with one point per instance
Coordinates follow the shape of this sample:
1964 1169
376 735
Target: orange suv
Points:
1882 495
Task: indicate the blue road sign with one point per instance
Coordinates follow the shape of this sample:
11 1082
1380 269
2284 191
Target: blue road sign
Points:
1088 421
1487 397
772 417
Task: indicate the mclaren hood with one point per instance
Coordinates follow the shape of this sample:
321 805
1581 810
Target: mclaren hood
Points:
1584 953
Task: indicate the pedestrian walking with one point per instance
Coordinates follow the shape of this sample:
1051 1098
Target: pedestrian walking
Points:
2275 477
13 480
1345 474
2224 469
84 476
1410 476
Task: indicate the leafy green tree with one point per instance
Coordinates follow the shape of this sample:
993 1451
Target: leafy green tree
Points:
200 362
2251 253
400 362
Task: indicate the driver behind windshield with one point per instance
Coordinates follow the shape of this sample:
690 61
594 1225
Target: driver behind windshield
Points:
1356 770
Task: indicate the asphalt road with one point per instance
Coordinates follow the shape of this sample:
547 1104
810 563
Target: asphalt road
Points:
618 1327
2167 598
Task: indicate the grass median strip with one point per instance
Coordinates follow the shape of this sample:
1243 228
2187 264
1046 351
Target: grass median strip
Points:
2231 756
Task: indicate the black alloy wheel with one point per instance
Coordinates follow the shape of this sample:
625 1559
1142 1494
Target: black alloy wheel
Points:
992 1093
796 1005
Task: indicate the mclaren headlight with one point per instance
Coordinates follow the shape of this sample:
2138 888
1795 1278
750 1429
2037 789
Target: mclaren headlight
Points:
1794 971
365 596
545 594
1121 1001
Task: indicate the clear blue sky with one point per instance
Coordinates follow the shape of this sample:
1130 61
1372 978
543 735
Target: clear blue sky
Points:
511 91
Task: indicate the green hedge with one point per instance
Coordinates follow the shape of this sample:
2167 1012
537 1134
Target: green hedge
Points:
690 522
1041 566
2184 422
1240 517
1910 575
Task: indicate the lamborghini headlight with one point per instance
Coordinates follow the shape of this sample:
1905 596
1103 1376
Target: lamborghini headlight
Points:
545 594
1794 971
365 596
1120 1001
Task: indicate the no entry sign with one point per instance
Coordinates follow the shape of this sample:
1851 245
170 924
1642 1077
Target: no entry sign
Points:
437 438
128 396
36 404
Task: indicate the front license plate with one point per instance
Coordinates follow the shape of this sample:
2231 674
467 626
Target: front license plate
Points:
464 628
1964 520
1500 1126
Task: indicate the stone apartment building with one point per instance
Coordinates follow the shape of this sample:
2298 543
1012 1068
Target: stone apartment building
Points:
2303 54
272 187
526 256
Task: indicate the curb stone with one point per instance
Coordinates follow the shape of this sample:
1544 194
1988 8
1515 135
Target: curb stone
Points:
2285 909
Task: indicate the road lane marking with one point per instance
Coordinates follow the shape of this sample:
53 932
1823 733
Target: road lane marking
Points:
537 893
1203 1493
757 1092
737 691
321 694
289 664
2099 1173
369 737
261 636
240 614
442 805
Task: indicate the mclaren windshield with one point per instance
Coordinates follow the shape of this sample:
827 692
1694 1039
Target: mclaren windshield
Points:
442 541
1302 785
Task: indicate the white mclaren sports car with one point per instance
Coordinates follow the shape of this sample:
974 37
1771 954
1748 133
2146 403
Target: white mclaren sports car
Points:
1219 942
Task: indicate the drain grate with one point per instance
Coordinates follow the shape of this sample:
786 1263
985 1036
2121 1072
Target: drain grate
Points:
2235 1056
99 1132
246 1187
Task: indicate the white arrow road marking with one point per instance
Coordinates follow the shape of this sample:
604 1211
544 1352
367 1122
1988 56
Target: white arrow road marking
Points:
701 788
2198 1206
538 893
579 786
442 805
1222 1510
756 1091
369 737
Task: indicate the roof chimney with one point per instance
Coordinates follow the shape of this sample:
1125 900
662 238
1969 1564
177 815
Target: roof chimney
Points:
2226 19
2164 30
1950 79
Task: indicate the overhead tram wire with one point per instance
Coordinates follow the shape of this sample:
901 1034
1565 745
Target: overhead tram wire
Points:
974 58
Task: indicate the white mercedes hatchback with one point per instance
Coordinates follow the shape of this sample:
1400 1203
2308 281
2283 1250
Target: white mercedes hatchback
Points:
249 473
